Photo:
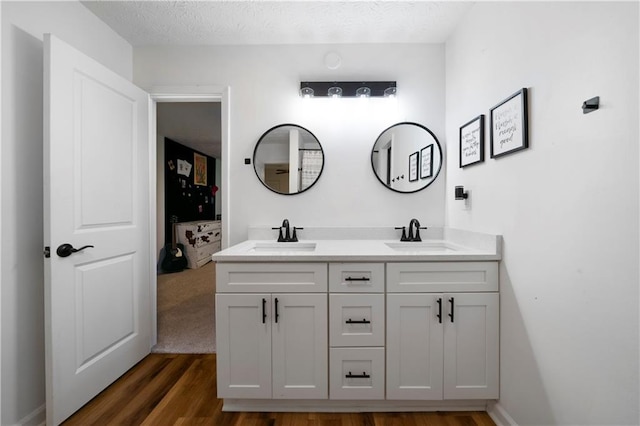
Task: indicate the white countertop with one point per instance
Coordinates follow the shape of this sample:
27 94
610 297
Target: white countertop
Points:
448 245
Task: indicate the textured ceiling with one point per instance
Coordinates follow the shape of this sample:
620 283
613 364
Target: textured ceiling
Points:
144 23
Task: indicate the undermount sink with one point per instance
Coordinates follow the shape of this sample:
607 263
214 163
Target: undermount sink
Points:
423 246
282 247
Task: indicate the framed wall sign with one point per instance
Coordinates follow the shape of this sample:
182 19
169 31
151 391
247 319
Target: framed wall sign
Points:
413 166
472 142
509 124
426 162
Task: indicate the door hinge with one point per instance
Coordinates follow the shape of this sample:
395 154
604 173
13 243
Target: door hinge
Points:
47 252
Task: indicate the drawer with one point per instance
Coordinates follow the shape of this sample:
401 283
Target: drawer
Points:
199 256
271 277
356 373
356 319
356 277
442 277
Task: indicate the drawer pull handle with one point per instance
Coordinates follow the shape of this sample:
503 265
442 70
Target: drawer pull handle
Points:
357 279
264 311
357 376
277 315
439 310
451 313
364 321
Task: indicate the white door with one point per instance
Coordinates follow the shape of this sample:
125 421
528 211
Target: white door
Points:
243 334
299 346
96 189
471 346
414 346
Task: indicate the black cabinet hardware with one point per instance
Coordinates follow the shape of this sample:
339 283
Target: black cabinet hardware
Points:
439 302
451 313
264 311
357 279
357 376
364 321
277 315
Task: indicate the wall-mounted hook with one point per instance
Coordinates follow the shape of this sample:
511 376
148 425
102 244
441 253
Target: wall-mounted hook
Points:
591 105
460 194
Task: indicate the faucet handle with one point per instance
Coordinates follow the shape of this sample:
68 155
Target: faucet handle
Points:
294 237
280 236
404 233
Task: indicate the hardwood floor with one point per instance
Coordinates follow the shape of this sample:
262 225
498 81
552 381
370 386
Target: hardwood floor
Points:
180 390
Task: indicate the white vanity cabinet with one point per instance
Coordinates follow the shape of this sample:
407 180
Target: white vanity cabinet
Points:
273 344
356 331
442 345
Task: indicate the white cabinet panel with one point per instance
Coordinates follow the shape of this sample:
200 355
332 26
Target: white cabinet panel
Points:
271 277
356 277
300 346
357 373
243 344
356 319
442 277
414 347
471 346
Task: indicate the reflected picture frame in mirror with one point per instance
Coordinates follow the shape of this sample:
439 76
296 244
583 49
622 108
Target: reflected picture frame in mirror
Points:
406 157
288 159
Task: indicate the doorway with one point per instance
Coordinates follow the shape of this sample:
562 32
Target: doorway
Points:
183 301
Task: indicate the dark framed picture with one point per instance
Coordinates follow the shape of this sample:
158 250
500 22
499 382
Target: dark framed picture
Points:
413 166
509 125
472 142
426 162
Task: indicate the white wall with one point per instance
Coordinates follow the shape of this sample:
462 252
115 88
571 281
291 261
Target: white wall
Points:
264 83
23 25
567 207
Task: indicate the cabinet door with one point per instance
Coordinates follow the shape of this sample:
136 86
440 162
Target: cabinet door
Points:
300 346
471 346
243 338
414 346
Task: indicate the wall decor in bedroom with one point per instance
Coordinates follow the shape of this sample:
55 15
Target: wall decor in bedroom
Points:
188 185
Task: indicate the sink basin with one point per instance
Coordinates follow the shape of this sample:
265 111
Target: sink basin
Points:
421 247
282 247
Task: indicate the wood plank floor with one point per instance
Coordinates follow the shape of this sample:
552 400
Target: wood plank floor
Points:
180 390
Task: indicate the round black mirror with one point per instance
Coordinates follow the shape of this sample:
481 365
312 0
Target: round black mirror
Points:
288 159
406 157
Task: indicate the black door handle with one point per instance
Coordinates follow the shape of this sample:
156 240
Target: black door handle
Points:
364 321
357 279
277 315
264 310
439 301
364 375
451 313
66 249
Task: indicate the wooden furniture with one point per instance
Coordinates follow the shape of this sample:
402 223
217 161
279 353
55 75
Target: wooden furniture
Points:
200 240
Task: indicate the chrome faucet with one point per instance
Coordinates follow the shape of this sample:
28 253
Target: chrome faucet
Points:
285 235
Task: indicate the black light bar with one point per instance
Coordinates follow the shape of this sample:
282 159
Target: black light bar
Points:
347 89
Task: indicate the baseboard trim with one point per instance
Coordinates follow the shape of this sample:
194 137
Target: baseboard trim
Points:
499 415
36 418
349 406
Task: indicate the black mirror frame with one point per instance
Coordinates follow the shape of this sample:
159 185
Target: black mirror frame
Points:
255 150
435 174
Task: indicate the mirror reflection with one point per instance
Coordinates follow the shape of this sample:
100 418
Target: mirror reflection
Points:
288 159
406 157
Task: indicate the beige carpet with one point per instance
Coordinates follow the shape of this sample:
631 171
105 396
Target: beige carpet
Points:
186 311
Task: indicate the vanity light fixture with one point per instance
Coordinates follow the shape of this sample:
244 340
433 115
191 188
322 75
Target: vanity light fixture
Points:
334 92
348 89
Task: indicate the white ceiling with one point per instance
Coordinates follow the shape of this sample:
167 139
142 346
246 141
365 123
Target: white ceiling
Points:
242 22
144 23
